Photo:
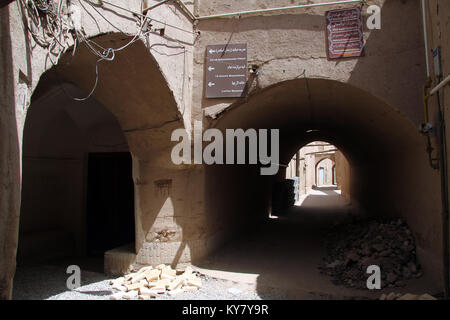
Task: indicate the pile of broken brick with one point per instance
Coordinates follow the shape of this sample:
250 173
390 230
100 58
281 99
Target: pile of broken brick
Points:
352 247
406 296
149 282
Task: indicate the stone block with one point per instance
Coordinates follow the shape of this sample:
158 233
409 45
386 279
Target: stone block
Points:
163 283
117 296
194 281
147 292
426 296
133 286
175 284
408 296
138 277
151 275
130 294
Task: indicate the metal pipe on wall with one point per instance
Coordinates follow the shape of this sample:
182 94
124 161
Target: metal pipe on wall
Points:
240 13
442 156
440 85
425 37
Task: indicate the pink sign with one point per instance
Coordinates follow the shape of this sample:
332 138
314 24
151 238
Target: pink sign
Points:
344 33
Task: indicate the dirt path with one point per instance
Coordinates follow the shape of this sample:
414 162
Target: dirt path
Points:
284 254
276 260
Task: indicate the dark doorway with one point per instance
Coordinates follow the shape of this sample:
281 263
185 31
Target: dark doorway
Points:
110 202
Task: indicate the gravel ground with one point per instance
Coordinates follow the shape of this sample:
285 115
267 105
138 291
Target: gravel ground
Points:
46 282
49 282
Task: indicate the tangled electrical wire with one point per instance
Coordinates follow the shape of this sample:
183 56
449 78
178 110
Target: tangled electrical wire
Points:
49 28
51 24
55 25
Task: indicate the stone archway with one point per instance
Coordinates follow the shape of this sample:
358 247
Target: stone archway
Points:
379 142
145 114
148 105
319 160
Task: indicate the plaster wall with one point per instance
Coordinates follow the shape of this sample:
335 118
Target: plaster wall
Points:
438 34
160 66
343 175
182 212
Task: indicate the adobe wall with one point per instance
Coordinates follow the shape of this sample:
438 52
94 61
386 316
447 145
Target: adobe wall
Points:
291 45
163 74
166 91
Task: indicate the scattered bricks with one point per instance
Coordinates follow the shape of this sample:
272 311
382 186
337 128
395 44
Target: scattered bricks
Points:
117 296
144 269
175 292
151 275
168 273
190 288
176 283
179 271
194 281
158 289
426 296
392 296
188 271
408 296
168 270
163 283
138 277
118 281
133 286
356 244
147 292
168 277
148 282
130 294
129 276
119 287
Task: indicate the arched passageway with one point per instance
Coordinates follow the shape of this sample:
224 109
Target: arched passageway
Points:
91 164
381 145
324 172
77 179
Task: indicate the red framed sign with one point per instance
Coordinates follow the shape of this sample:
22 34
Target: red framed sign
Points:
344 33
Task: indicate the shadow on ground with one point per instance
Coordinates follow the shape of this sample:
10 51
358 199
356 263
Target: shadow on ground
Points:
280 257
45 280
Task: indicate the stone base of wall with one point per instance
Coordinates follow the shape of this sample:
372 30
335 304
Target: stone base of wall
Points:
118 261
122 260
177 252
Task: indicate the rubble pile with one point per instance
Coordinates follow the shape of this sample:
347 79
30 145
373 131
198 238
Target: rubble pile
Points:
406 296
148 282
354 246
